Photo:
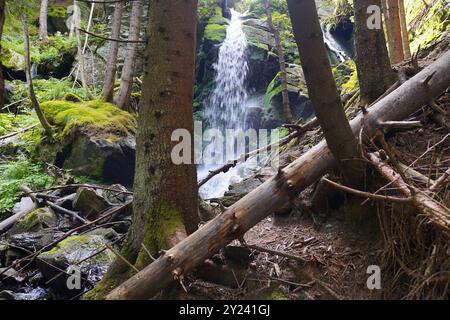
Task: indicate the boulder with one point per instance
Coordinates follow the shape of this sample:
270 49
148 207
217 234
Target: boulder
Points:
34 231
89 203
86 252
94 139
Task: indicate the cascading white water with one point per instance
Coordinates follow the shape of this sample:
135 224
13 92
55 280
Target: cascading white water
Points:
226 106
334 46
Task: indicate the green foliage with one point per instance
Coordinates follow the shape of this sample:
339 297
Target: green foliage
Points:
97 117
57 12
50 52
47 89
343 9
346 76
17 173
273 89
206 8
10 122
428 27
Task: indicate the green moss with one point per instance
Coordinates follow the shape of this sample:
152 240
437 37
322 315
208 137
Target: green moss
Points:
72 97
215 32
273 293
34 218
161 226
95 117
216 27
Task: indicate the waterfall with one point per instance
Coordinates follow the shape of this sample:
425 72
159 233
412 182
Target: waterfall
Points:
225 108
334 46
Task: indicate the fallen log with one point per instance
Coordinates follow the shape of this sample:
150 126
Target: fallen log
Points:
280 189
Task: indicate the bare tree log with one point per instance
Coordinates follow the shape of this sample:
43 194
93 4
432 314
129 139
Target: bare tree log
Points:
438 214
278 190
441 181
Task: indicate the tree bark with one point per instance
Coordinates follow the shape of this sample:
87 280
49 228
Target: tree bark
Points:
110 76
282 61
405 32
165 194
126 81
258 204
32 96
375 74
322 88
43 20
393 23
2 81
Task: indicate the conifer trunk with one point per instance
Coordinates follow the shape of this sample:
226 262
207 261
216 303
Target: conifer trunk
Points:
110 76
126 81
372 60
2 81
165 194
322 88
43 20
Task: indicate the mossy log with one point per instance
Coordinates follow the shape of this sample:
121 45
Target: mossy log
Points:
280 189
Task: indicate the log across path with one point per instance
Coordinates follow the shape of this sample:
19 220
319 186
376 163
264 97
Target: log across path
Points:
258 204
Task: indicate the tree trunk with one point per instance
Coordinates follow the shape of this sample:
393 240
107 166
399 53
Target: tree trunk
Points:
372 61
110 76
393 23
126 81
281 59
80 54
43 20
280 189
2 81
405 32
165 194
322 88
31 94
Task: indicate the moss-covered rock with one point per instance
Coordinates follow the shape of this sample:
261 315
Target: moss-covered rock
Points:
216 27
42 217
94 117
93 139
78 250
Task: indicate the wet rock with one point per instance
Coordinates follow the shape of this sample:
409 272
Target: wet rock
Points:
116 197
243 187
89 202
11 277
25 294
79 251
34 231
25 204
